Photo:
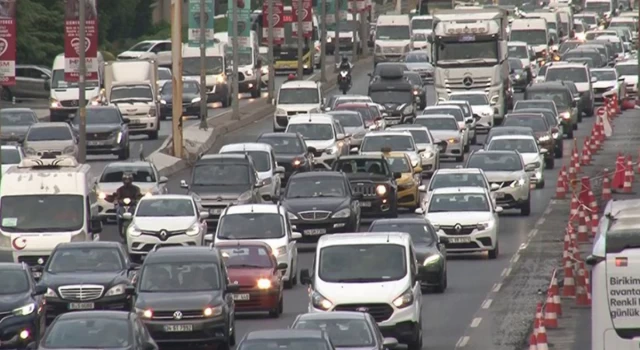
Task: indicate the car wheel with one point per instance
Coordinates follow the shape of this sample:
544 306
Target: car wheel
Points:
525 209
275 313
292 278
540 184
559 152
5 94
570 133
153 135
493 253
255 93
416 342
443 283
124 154
550 163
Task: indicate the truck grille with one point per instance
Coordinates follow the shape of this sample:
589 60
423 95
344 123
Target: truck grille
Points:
367 189
297 112
380 312
600 90
315 215
70 103
99 136
33 260
453 231
476 83
177 315
81 292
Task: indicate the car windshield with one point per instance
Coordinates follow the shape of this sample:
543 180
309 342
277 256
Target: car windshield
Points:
419 37
457 180
221 174
518 51
395 143
311 187
261 159
285 344
520 145
188 88
391 96
164 74
421 23
284 145
515 64
96 116
536 124
416 57
165 207
42 213
246 257
627 69
142 173
17 118
312 131
85 259
133 92
141 47
420 233
413 78
599 7
89 333
180 277
251 226
49 133
11 156
589 20
561 98
14 281
569 45
528 104
473 99
58 82
458 202
420 136
578 75
362 110
495 162
344 333
616 45
191 65
530 36
244 58
438 123
467 49
349 120
386 32
455 112
299 96
604 75
399 164
361 263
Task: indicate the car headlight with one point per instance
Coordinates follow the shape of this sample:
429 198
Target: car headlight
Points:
320 302
264 283
341 214
555 135
248 73
534 164
332 150
118 136
25 310
220 79
565 115
152 112
116 290
453 140
484 225
134 231
494 100
381 190
196 100
163 102
431 260
194 230
69 150
265 70
427 154
280 111
145 313
291 216
54 103
280 251
416 92
50 293
30 151
245 197
404 300
102 195
544 138
519 183
212 311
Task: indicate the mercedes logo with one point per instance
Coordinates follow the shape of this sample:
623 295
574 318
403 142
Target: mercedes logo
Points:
219 199
177 315
458 227
362 309
40 261
467 81
163 234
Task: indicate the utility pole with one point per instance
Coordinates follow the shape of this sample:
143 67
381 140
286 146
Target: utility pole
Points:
234 89
354 23
336 50
82 76
323 43
272 75
299 13
176 69
364 26
203 66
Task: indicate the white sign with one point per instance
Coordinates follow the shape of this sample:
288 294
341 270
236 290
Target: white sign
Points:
194 34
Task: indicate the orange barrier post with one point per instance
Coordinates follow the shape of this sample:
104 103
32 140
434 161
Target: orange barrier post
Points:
561 193
550 314
541 337
582 299
582 226
606 186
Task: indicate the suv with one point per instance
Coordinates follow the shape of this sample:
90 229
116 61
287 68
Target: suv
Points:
580 75
291 151
186 291
562 98
218 180
296 97
324 134
347 267
266 223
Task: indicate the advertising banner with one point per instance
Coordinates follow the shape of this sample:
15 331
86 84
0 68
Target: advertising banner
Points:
306 12
243 27
331 11
8 42
194 22
277 20
72 44
357 6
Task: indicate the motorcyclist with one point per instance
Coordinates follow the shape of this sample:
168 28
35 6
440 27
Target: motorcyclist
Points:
345 64
127 190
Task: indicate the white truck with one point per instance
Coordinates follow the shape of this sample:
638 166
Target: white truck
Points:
470 53
132 86
217 71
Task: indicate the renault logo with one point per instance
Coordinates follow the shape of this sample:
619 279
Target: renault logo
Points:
458 227
163 234
177 315
467 81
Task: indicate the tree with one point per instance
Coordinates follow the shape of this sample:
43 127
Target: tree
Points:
40 31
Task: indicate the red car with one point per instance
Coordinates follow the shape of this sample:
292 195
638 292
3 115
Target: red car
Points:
253 267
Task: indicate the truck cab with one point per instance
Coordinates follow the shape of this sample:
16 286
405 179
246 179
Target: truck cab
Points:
217 71
250 67
393 38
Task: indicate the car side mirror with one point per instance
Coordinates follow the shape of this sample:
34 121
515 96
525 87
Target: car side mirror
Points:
183 184
208 238
204 215
311 149
39 289
130 290
430 38
390 343
385 115
126 120
340 137
592 260
267 197
621 79
422 188
397 175
499 210
305 277
421 149
494 187
232 288
127 216
163 180
282 266
354 150
594 79
468 121
419 211
296 235
96 225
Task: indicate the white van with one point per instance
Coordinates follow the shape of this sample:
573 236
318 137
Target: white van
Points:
532 31
369 272
218 83
46 202
249 70
552 18
63 95
393 38
296 97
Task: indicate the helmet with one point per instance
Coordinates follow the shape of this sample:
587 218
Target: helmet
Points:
291 77
127 178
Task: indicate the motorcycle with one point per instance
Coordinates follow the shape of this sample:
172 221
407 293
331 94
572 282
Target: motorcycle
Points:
128 206
344 81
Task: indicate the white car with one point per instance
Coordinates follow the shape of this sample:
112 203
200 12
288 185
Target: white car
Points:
392 141
465 218
430 157
507 170
532 155
167 219
159 50
456 111
445 127
266 223
480 107
580 76
457 177
323 133
264 159
11 155
608 83
296 97
629 72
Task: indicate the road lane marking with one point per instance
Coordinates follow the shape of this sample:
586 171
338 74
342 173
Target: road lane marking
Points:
504 272
462 342
541 221
533 233
508 272
496 287
515 258
476 322
487 304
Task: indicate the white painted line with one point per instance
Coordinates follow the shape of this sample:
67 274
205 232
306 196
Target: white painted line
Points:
508 272
516 258
533 232
548 211
523 246
504 272
496 287
476 322
487 303
541 221
462 342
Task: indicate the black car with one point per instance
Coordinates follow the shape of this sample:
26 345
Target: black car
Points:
21 301
292 152
284 339
107 131
86 276
419 91
182 296
120 330
321 202
190 99
430 251
388 70
576 98
14 124
548 114
518 75
378 189
397 100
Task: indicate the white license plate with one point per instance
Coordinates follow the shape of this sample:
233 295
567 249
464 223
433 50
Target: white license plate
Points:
178 328
82 306
499 194
241 297
365 204
317 231
94 143
134 121
217 211
459 240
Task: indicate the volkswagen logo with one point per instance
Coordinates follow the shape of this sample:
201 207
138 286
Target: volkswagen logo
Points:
163 234
362 309
458 227
467 81
177 315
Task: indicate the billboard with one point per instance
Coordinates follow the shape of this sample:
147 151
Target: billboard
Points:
8 42
72 45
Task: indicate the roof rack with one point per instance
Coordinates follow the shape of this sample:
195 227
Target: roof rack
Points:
49 160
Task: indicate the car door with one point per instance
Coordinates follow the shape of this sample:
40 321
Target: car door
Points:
163 53
417 290
292 248
33 81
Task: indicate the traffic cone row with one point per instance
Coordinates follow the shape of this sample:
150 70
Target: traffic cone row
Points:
586 153
628 176
606 186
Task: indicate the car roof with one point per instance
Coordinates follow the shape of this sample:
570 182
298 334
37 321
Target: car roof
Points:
344 112
95 314
224 156
388 133
243 243
246 146
603 69
401 238
340 315
410 220
296 84
182 254
409 127
627 63
137 163
569 64
441 107
516 43
352 104
311 118
11 266
547 85
100 107
484 151
425 116
15 147
89 245
253 208
362 156
513 137
312 174
281 134
167 196
465 189
50 125
286 334
447 171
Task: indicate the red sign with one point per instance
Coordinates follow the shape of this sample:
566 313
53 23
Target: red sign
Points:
287 18
357 6
19 243
72 44
278 20
307 18
8 42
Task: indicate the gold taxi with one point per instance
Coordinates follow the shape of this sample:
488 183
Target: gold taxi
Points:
409 181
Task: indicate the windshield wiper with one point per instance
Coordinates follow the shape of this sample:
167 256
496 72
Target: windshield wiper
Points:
360 279
249 265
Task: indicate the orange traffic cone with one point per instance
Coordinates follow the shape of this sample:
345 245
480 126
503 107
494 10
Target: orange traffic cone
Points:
560 190
585 159
541 337
582 299
573 213
628 179
630 168
582 226
569 283
533 343
606 186
618 175
555 293
550 314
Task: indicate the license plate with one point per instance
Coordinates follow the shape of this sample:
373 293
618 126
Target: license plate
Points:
365 204
178 328
499 195
459 240
82 306
317 231
217 211
134 121
94 143
241 297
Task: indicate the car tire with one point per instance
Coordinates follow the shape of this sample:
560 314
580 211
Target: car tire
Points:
124 154
525 209
293 277
466 148
570 133
493 253
559 152
5 94
275 313
255 93
474 140
540 184
550 163
416 342
440 288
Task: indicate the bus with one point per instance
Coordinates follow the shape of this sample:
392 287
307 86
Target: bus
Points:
285 55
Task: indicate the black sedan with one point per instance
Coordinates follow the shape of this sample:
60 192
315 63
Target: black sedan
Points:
21 319
292 153
107 131
14 124
86 276
190 99
430 251
120 330
322 202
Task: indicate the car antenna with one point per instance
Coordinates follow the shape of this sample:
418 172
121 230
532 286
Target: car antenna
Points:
388 238
142 153
252 208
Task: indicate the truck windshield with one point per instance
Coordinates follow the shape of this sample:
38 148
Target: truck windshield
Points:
478 51
530 36
599 7
191 65
137 92
58 82
42 213
422 24
393 33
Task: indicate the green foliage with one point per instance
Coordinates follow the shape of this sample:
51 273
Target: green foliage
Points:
40 31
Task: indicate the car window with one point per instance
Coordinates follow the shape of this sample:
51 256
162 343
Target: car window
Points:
163 207
55 133
143 173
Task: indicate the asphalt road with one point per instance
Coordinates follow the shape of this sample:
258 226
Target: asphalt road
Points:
471 277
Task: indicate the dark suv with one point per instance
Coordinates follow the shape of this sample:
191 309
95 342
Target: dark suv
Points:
292 152
220 179
183 296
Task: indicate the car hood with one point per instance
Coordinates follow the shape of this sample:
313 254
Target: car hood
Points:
320 144
72 93
444 135
355 130
419 66
469 218
221 194
351 293
332 34
186 98
9 302
392 106
426 146
107 279
13 132
480 110
582 87
170 223
529 158
393 43
248 276
5 167
525 62
133 108
500 176
423 251
111 187
296 205
177 301
604 84
101 128
365 177
287 158
48 145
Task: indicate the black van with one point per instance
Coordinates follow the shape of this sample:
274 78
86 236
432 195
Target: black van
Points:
558 92
396 96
